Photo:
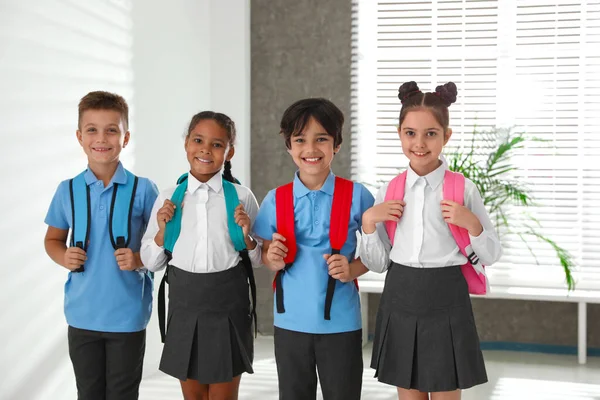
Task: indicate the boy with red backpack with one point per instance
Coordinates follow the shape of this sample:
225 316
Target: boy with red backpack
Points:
309 228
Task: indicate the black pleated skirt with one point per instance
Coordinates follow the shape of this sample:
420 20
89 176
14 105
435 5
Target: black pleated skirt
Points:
209 326
425 334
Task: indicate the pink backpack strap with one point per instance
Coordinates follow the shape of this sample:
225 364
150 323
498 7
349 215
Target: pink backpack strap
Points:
454 190
395 191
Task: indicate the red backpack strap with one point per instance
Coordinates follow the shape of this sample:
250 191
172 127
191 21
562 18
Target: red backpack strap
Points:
454 190
395 191
338 229
284 208
284 205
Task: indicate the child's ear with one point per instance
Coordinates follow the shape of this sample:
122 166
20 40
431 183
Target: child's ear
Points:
336 149
79 137
447 135
230 153
126 139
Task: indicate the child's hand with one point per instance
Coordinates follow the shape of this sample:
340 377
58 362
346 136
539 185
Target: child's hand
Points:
125 259
74 258
242 219
461 216
338 266
165 214
277 252
390 210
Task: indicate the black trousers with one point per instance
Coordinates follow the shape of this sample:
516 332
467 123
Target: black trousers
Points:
108 366
337 357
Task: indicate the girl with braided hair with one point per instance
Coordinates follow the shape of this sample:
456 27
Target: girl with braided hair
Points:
426 343
208 338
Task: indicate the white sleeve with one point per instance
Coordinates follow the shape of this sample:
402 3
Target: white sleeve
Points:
153 256
251 207
487 245
375 247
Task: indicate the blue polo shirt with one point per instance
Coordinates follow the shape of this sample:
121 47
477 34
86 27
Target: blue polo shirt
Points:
305 283
104 298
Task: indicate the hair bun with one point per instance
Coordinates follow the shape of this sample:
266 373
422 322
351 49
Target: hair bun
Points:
407 90
447 93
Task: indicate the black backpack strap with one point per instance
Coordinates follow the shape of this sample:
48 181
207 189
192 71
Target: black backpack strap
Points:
162 300
250 272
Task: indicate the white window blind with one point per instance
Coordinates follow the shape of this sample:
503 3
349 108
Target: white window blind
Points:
532 64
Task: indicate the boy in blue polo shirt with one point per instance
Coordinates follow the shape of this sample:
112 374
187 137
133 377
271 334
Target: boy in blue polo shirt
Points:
305 340
108 293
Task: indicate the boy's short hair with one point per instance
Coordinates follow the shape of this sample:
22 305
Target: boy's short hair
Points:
326 113
101 100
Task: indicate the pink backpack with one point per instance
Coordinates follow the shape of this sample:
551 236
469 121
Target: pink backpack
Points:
454 190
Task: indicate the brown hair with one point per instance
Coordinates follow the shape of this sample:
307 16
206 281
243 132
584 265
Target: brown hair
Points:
101 100
296 117
224 122
437 102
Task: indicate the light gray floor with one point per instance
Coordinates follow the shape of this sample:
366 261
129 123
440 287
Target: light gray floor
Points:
513 376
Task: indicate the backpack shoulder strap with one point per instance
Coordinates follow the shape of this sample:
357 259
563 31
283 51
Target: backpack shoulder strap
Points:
338 229
473 271
284 207
173 227
121 208
454 190
340 213
81 213
395 191
232 200
79 193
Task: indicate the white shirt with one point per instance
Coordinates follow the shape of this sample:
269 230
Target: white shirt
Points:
204 244
423 239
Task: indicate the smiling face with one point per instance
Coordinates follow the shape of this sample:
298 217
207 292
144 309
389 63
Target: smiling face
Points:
207 147
312 151
102 135
423 139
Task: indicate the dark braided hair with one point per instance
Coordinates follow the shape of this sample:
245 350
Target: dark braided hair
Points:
226 123
437 102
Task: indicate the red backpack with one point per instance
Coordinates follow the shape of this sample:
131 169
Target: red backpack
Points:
338 233
454 190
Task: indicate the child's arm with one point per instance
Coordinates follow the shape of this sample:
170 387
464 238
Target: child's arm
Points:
245 215
473 216
55 243
375 245
152 252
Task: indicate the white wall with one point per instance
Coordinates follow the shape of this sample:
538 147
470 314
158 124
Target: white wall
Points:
169 60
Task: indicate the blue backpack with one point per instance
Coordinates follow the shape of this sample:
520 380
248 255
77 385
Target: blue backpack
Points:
173 229
119 222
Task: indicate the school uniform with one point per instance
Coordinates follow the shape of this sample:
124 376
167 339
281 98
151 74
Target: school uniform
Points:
425 335
209 324
304 339
107 309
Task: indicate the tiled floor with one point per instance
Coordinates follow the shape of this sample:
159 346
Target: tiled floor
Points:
513 376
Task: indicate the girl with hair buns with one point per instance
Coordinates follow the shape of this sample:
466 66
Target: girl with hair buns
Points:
426 341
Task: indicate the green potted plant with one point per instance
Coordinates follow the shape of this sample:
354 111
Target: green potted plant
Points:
486 160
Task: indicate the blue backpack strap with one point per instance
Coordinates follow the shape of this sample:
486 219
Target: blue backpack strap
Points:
121 207
231 202
172 231
81 215
173 227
